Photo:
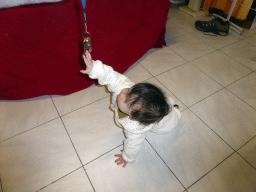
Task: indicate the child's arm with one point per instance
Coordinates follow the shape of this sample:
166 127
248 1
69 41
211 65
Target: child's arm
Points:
135 136
105 74
132 145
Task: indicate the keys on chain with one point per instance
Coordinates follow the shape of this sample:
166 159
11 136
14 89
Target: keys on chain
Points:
87 39
87 44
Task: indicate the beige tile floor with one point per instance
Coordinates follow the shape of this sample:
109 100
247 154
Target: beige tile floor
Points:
67 143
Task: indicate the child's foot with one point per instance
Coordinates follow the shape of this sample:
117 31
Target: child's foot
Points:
176 106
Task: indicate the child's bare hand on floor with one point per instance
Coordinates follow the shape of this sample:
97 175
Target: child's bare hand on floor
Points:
120 160
88 62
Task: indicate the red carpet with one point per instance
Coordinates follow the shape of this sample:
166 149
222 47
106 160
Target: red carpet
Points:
41 45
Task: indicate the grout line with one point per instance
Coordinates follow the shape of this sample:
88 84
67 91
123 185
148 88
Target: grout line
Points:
71 141
239 79
217 49
239 39
165 163
206 97
235 60
88 178
198 39
102 155
82 106
240 98
59 178
246 143
68 133
29 129
95 160
223 89
206 74
242 147
211 129
211 170
166 70
246 161
78 169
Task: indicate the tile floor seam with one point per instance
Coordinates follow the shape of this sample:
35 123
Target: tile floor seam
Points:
236 60
95 160
211 170
203 56
207 74
225 45
165 163
239 98
212 130
195 58
171 69
220 90
218 82
161 72
68 134
29 129
239 79
100 156
146 80
59 179
254 33
246 143
83 106
246 160
169 46
249 41
206 97
252 44
178 35
72 143
88 178
193 34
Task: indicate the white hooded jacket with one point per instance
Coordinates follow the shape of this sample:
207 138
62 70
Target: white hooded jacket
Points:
134 131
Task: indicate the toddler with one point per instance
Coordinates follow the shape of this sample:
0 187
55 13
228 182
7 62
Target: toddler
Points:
138 107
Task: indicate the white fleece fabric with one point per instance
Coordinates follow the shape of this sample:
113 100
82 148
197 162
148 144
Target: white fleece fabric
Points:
134 131
15 3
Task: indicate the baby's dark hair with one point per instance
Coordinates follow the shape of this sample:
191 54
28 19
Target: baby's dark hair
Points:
152 102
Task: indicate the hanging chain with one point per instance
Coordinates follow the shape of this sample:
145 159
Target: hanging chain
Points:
87 38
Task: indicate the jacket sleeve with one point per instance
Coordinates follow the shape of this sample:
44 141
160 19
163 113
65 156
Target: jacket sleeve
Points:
132 145
135 135
107 76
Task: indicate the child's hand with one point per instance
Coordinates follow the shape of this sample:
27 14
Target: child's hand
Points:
120 160
88 62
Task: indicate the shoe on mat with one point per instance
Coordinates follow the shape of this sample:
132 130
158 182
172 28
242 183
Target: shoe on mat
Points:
216 26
